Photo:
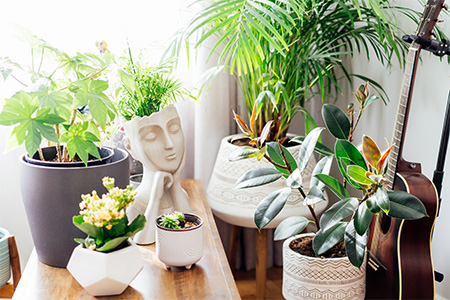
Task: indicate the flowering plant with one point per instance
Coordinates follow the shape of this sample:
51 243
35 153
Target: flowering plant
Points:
104 219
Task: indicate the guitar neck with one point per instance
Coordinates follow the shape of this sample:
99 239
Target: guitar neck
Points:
396 160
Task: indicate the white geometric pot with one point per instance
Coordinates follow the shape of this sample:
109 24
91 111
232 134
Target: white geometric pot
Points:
307 277
180 248
103 274
5 270
237 206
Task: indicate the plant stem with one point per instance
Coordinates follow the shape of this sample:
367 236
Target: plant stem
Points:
58 146
288 167
41 155
274 163
311 210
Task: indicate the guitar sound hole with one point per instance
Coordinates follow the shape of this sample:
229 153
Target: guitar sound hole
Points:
385 223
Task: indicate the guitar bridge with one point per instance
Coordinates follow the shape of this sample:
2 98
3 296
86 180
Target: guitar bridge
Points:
374 263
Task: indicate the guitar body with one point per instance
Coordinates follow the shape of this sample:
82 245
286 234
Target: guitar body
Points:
403 247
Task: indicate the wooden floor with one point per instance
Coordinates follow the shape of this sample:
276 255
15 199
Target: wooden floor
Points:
246 283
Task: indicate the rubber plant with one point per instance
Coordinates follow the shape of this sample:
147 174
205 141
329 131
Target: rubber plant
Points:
63 101
350 217
283 53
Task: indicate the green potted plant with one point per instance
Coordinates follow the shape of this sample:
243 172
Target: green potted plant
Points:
154 137
282 54
179 239
107 260
63 102
345 225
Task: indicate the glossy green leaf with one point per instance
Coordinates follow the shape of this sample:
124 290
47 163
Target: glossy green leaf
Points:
274 152
335 186
315 195
323 166
337 212
307 147
324 240
257 177
405 206
345 149
382 199
320 148
336 121
358 174
355 245
243 153
270 207
362 219
372 205
290 227
294 180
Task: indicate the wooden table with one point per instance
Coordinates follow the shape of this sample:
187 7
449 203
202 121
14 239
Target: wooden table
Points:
210 278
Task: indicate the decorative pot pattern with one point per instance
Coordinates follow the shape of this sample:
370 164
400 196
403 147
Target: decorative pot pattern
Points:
103 274
237 206
309 278
180 248
51 196
157 141
5 270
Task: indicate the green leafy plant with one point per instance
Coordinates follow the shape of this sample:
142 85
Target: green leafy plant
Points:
104 219
63 101
145 90
350 217
172 220
283 53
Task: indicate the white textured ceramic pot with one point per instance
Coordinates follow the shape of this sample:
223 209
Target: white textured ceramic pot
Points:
5 270
180 248
237 206
309 278
103 274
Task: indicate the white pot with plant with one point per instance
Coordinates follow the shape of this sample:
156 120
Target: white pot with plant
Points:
63 105
282 54
345 225
179 239
107 260
154 136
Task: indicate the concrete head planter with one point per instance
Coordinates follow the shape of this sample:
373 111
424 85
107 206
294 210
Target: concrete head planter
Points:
157 141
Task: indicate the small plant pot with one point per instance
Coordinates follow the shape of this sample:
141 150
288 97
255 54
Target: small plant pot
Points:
103 274
49 154
5 270
306 277
180 248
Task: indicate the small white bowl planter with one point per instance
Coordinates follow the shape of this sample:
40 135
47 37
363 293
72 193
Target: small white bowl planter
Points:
307 277
103 274
182 247
5 270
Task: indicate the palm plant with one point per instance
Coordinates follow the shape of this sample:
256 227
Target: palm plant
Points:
285 52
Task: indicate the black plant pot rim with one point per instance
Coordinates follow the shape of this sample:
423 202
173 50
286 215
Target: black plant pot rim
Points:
106 154
189 217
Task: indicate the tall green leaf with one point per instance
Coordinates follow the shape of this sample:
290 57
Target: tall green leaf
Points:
337 212
355 245
324 240
290 227
257 177
307 147
335 186
270 207
405 206
336 121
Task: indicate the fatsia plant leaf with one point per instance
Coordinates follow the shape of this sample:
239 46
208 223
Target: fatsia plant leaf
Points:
270 207
243 153
290 227
335 186
405 206
307 147
337 212
257 177
336 121
371 151
324 240
355 245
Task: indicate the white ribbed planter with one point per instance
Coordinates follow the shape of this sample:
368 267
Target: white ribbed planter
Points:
306 278
237 206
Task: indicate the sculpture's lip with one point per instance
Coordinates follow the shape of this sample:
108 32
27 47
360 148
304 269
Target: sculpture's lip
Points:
171 156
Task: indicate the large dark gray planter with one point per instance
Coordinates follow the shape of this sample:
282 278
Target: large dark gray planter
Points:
51 196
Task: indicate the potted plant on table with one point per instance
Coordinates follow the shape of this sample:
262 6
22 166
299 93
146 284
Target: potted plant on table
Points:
63 102
282 54
179 239
107 260
154 137
344 227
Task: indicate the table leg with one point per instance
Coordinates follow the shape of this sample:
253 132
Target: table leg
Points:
235 236
261 263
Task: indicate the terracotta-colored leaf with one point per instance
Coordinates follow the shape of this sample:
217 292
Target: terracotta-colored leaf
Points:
253 117
383 161
371 151
241 124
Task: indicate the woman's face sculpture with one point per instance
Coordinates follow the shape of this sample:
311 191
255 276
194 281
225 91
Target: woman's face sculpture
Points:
161 141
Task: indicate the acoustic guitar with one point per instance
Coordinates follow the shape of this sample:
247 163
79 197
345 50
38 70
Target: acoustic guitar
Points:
400 264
